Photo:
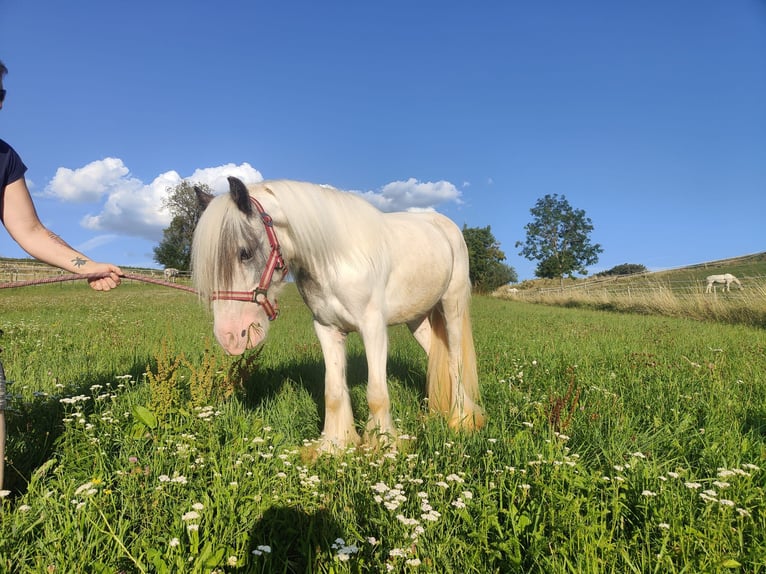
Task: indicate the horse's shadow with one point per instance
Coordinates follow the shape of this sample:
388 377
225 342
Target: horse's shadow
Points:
34 427
259 387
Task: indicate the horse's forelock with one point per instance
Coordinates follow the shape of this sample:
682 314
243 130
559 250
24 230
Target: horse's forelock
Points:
221 232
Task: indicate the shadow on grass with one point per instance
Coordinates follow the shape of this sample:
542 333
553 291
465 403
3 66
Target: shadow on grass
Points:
294 539
262 385
754 422
33 427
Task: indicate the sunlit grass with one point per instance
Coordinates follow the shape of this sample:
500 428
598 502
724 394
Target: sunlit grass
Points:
615 443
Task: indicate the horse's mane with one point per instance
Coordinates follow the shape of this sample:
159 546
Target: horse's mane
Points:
327 227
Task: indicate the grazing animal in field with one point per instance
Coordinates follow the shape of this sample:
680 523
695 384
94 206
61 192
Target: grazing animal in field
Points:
726 279
171 274
357 269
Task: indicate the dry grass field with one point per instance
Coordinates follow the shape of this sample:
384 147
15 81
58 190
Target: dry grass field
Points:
676 293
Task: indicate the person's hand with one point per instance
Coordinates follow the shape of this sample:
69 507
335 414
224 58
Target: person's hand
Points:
111 277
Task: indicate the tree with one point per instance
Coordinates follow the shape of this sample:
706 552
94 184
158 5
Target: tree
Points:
175 248
625 269
485 258
558 238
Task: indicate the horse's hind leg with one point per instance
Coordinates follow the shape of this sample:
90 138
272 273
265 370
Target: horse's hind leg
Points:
464 412
421 330
339 428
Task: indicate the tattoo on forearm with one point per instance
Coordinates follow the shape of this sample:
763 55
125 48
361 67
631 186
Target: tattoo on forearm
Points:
79 261
58 239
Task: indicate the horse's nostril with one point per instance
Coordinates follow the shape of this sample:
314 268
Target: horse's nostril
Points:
244 333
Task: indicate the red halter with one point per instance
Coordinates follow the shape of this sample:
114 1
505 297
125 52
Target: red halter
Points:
274 263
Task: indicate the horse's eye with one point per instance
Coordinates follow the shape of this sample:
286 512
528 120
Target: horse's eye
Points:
245 255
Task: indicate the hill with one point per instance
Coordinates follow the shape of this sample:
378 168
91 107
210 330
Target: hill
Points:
673 292
748 268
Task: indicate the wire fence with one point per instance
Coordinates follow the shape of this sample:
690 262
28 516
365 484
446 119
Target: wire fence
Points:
20 272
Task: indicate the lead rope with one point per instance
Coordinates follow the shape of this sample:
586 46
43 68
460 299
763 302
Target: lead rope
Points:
75 277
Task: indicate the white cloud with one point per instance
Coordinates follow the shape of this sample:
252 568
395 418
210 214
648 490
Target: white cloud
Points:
215 177
88 183
132 207
412 195
135 209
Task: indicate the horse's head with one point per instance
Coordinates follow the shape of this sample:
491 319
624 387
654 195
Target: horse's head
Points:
233 258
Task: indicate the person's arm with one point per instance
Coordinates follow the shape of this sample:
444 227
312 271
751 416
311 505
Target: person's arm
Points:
18 214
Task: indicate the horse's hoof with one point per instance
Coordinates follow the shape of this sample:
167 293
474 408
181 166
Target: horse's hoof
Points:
312 450
381 440
468 422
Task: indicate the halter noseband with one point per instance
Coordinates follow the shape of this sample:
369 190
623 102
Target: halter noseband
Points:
275 263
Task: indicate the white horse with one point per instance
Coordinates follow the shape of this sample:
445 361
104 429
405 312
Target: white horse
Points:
171 274
357 269
726 279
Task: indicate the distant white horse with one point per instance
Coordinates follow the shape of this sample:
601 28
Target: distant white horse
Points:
171 273
726 279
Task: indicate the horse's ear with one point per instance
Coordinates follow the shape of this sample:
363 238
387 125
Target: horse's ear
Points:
240 195
203 197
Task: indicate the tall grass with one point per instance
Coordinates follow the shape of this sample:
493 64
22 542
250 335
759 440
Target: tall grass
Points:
747 306
614 443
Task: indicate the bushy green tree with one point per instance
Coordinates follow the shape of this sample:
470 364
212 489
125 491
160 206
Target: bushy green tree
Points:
558 238
175 248
625 269
487 270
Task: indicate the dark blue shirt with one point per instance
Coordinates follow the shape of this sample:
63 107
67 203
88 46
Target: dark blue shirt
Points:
11 166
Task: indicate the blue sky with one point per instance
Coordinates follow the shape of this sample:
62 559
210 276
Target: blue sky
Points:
650 116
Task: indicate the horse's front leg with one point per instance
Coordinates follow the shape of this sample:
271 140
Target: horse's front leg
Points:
339 430
380 426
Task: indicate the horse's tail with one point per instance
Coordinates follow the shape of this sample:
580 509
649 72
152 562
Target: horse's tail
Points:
455 396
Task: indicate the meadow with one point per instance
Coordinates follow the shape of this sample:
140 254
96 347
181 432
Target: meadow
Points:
615 442
673 293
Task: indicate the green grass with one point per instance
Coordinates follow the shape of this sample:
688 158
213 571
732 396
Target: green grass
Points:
615 443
